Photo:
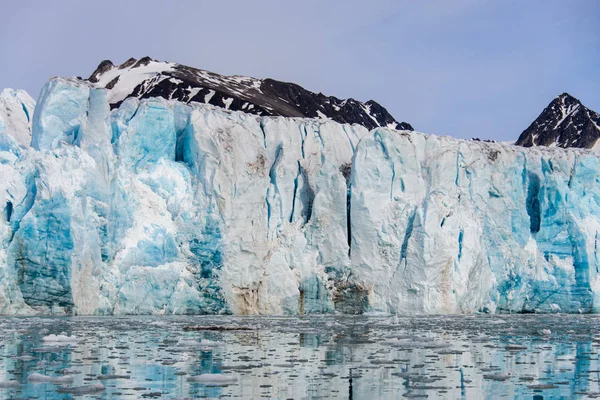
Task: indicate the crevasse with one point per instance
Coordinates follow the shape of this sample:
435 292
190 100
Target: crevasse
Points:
162 207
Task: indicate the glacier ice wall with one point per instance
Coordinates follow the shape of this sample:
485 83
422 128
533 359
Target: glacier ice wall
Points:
161 207
16 111
441 225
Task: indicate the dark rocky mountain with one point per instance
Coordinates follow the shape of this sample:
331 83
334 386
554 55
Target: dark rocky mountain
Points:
564 123
146 78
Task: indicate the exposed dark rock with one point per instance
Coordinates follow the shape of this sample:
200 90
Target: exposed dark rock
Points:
142 61
128 63
103 67
112 83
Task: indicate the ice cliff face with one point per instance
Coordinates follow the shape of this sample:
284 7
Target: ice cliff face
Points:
16 111
163 207
441 225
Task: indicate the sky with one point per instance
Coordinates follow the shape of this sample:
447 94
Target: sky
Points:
464 68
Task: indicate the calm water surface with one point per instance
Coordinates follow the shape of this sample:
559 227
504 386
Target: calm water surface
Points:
449 357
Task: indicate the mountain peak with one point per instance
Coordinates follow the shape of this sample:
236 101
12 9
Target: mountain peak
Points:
147 77
567 99
565 95
103 67
566 122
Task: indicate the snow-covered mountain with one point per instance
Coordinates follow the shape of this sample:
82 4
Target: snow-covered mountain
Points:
158 206
146 78
564 123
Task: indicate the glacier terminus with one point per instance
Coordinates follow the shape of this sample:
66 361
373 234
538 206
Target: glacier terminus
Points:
161 207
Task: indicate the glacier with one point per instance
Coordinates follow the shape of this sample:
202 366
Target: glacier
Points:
161 207
16 110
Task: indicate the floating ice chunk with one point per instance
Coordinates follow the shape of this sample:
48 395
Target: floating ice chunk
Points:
515 347
411 395
111 376
9 384
24 358
213 379
69 371
289 365
497 377
86 389
542 386
60 339
40 378
527 378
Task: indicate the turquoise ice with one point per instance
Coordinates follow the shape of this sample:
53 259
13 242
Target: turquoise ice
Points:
158 207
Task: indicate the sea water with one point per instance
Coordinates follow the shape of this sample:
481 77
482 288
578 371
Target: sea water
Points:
345 357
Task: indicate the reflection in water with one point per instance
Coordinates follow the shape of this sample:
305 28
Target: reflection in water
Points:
458 357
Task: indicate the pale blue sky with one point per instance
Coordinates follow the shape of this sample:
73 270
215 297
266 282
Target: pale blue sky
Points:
465 68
